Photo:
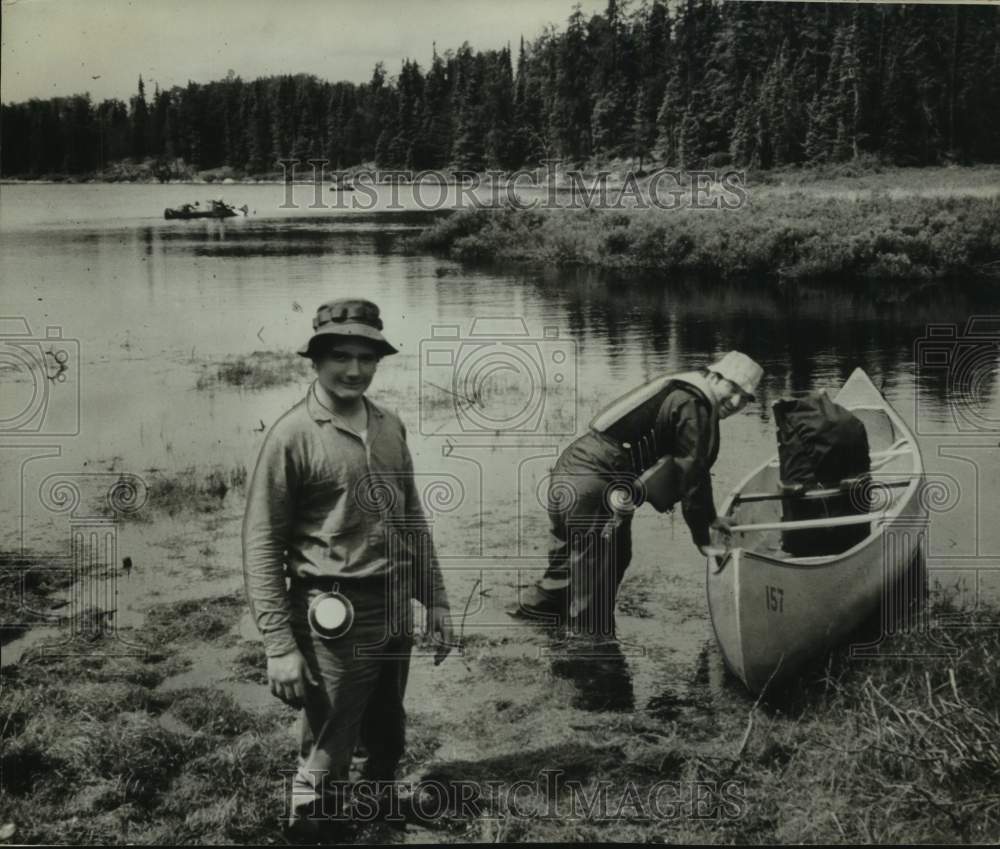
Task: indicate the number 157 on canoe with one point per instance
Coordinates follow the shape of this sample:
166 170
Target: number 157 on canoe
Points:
775 597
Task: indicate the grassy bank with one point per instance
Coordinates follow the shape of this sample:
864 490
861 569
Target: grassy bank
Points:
902 749
259 370
798 235
93 750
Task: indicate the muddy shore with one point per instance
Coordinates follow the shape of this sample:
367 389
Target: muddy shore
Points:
157 726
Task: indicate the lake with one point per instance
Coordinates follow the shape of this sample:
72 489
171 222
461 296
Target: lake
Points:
141 313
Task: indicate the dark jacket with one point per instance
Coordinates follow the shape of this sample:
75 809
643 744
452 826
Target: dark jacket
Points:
687 427
674 418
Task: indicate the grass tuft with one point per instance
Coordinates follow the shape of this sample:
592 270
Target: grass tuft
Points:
259 370
213 712
198 620
190 490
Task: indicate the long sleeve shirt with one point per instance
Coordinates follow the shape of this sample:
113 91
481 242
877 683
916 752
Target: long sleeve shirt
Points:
323 502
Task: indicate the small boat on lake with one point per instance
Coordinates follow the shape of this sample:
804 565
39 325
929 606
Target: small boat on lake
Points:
772 612
216 209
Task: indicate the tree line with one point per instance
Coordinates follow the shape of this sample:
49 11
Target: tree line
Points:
689 84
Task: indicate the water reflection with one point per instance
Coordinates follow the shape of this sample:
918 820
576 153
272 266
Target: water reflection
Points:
213 289
804 335
230 288
155 304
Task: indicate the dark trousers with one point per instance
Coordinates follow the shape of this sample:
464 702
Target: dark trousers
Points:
362 679
586 566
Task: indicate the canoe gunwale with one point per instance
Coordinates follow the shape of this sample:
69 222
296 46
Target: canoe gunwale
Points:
726 591
905 499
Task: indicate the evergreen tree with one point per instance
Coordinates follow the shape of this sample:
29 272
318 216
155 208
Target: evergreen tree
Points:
469 140
139 119
691 140
692 81
668 120
642 127
434 144
743 142
569 112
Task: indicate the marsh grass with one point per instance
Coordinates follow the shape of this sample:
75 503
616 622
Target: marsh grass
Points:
195 620
120 773
26 590
89 754
869 173
794 237
901 748
190 490
259 370
250 663
904 748
214 712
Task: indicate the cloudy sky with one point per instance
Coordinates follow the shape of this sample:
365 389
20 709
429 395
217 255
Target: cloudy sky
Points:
58 47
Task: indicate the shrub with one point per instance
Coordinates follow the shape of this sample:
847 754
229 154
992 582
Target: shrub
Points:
800 236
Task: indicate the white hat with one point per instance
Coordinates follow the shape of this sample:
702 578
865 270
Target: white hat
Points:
741 370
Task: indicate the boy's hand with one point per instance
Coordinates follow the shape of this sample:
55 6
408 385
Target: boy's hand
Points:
288 676
439 628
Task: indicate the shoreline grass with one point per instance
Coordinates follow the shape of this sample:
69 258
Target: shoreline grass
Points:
259 370
792 237
189 490
903 749
26 595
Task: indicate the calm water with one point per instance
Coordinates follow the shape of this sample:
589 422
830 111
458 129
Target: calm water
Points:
145 307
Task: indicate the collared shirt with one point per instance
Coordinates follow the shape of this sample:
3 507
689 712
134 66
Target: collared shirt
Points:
325 502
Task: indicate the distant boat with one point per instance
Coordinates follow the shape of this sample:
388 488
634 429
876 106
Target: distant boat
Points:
342 186
218 209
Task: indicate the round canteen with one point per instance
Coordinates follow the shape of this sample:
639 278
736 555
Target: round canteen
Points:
331 615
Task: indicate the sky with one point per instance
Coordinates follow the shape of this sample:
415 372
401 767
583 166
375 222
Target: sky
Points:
60 47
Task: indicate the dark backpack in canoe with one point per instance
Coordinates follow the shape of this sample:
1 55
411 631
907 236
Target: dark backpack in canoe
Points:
820 446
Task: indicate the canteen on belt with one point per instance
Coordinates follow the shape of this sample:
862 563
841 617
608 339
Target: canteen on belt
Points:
330 615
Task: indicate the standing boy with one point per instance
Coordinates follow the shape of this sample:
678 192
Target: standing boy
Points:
333 508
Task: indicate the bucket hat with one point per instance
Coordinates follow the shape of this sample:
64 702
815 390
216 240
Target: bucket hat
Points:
351 318
741 370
